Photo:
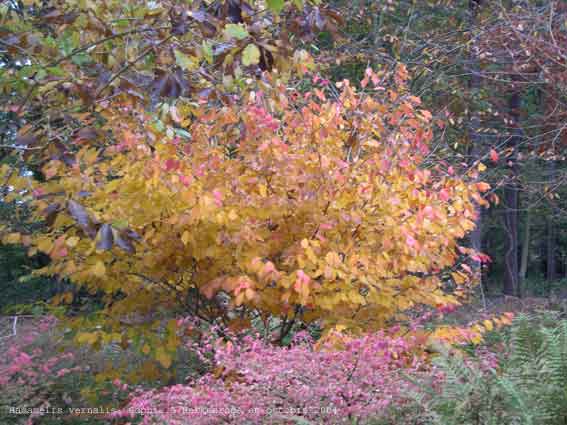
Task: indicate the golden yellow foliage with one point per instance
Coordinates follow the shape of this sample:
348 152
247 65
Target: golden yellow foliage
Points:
297 206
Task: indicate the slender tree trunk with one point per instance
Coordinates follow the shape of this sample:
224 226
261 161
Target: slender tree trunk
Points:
551 236
511 272
525 248
473 66
511 204
551 265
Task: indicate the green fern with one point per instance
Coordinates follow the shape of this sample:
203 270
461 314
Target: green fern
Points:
529 388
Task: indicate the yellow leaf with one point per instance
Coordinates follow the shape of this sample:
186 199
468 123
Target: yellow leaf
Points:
249 293
458 277
150 371
250 55
478 328
333 259
239 299
146 349
44 245
311 255
87 337
477 339
263 190
285 297
12 238
99 269
67 297
90 156
163 358
185 237
72 241
488 325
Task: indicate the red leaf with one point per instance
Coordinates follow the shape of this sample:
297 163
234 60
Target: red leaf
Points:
494 155
411 242
482 186
171 164
218 197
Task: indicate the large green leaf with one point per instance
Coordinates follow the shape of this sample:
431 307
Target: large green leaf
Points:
275 5
235 31
251 55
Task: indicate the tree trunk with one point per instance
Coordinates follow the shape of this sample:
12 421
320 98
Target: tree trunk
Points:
550 250
511 204
511 273
525 248
473 66
551 236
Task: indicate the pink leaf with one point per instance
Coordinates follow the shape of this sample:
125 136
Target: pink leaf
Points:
494 155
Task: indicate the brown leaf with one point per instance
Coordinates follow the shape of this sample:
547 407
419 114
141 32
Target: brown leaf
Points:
51 213
316 19
122 240
229 11
221 49
88 134
131 234
68 159
208 29
334 15
85 92
170 85
200 16
57 17
205 93
25 139
247 9
105 237
179 22
234 12
266 60
81 216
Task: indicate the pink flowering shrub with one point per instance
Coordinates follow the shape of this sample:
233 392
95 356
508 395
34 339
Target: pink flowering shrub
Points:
28 371
24 362
258 383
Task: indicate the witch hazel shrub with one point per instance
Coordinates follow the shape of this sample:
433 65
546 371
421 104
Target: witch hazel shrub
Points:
255 382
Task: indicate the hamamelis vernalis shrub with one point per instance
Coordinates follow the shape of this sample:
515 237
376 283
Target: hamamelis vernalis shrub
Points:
308 207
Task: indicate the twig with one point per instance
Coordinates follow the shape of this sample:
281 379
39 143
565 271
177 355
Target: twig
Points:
74 53
14 329
130 64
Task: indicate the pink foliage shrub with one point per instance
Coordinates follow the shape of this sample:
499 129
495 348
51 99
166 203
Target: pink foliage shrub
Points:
260 383
28 369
